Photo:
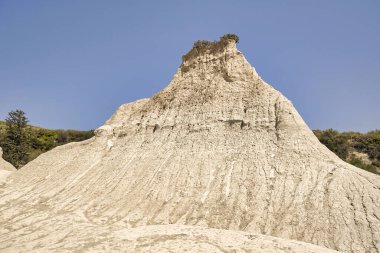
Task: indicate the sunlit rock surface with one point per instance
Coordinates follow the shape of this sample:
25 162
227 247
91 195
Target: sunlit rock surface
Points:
5 168
217 148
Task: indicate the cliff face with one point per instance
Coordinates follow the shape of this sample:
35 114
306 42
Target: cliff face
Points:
218 148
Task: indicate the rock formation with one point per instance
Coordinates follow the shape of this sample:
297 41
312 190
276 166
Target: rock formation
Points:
5 168
217 148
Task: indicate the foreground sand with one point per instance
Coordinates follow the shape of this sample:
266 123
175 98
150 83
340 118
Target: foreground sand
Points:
163 238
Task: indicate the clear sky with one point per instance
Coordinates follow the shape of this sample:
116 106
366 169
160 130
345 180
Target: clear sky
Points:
70 64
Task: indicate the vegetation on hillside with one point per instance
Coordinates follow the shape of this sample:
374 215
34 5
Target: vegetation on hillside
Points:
16 138
361 150
21 143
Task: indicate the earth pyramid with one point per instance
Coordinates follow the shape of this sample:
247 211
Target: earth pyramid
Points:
218 148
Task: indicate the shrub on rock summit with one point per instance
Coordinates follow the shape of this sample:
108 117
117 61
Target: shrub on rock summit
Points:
230 36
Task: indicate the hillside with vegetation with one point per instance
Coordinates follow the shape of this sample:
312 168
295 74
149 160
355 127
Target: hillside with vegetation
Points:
39 140
358 149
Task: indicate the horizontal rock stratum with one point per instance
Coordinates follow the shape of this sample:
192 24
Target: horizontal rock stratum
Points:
217 149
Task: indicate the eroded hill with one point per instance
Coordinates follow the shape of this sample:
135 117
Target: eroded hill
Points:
217 148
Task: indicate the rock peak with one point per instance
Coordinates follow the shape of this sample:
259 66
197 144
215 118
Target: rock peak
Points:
211 58
202 47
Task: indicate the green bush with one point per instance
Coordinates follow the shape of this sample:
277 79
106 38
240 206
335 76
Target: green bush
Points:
369 143
44 139
342 144
334 141
360 164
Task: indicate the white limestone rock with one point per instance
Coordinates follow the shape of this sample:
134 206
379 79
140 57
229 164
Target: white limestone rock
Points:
5 168
217 148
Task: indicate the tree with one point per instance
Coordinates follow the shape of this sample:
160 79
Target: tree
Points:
17 138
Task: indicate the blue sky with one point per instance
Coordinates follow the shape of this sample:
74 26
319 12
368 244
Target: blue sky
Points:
70 64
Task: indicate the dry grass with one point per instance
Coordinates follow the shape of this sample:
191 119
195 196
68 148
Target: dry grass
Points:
202 46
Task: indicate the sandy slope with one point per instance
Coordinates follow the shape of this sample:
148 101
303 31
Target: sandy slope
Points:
5 168
165 238
217 148
174 238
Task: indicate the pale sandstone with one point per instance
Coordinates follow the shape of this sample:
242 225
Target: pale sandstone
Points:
217 148
5 168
